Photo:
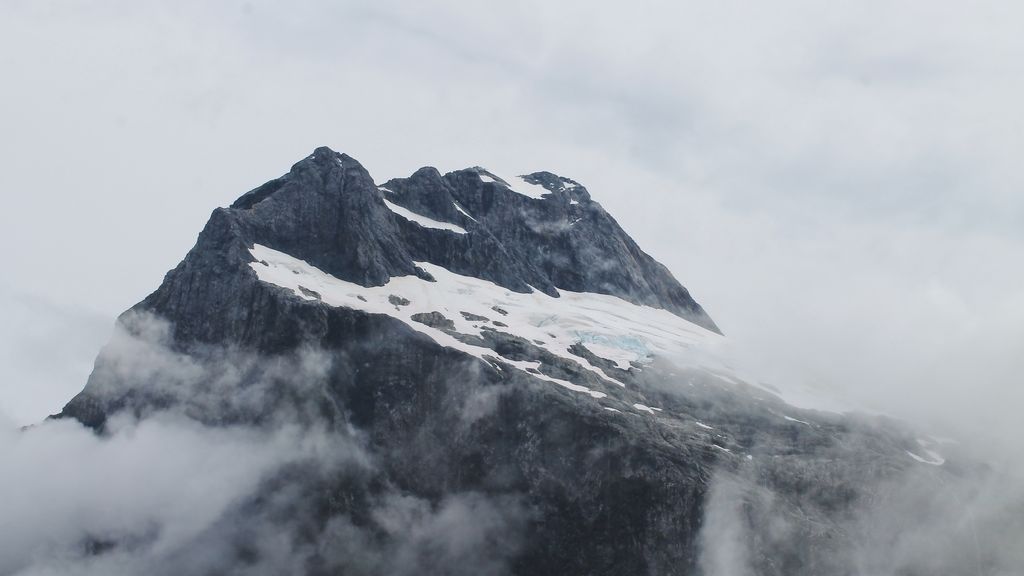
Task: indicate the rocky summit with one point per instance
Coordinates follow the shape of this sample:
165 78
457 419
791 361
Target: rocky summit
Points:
499 381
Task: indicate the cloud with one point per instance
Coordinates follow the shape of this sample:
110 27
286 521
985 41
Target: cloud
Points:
465 533
155 484
229 462
211 384
838 186
168 495
918 520
724 535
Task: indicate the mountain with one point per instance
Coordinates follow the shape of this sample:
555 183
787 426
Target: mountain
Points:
504 382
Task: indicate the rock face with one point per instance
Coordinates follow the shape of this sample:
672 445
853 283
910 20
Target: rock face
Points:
497 348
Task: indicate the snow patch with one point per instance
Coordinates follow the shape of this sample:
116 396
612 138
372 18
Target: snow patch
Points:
533 368
463 211
449 295
610 327
516 184
423 220
929 458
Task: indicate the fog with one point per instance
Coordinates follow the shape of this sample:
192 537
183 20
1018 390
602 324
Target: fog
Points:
169 496
837 185
922 521
228 479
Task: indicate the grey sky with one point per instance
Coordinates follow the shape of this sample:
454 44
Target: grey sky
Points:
837 183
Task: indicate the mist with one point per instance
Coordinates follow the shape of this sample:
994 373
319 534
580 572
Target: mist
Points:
838 187
68 490
215 469
922 521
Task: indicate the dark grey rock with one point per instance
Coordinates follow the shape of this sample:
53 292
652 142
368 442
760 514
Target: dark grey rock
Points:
398 300
435 320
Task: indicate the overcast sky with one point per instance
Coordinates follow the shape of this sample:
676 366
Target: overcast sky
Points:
839 184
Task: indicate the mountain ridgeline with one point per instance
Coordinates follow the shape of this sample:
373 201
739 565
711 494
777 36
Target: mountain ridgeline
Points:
508 383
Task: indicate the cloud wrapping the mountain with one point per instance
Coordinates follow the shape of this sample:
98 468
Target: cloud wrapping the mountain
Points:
216 480
159 483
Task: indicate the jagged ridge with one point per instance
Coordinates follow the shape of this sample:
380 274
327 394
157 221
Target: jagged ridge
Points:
328 211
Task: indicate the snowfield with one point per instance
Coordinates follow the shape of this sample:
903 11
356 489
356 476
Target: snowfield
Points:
627 334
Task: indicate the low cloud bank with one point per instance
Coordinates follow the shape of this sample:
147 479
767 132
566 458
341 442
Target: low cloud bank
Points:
923 521
227 462
155 484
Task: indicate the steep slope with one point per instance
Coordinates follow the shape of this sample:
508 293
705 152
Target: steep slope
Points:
496 343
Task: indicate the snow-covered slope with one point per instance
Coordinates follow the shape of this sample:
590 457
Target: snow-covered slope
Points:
627 334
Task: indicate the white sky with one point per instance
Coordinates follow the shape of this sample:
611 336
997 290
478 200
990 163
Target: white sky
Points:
838 184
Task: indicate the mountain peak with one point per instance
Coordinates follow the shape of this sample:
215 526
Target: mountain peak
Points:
325 151
476 334
537 232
